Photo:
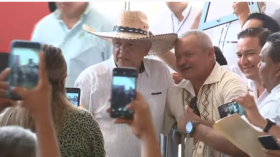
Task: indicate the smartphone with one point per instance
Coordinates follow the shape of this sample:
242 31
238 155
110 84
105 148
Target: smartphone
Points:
269 142
24 63
231 108
123 92
254 7
73 95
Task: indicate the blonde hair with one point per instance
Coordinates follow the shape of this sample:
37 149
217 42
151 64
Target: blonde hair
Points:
57 71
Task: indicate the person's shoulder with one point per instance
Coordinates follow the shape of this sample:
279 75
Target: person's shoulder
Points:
93 71
231 78
80 117
155 64
46 20
177 89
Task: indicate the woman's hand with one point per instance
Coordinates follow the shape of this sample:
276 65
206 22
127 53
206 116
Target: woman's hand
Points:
4 101
37 99
141 124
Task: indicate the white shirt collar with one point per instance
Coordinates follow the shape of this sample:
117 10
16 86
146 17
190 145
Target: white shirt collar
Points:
275 89
112 65
184 13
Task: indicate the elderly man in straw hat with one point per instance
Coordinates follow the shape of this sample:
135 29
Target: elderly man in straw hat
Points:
131 43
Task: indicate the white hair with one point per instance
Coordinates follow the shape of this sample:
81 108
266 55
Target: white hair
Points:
203 39
16 141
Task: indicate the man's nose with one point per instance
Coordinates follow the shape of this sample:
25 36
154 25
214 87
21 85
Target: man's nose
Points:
244 60
123 48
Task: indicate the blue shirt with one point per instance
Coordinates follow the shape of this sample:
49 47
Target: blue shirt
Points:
80 49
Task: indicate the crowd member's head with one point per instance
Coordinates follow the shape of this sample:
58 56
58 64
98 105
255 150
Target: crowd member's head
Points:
17 142
270 62
130 53
195 55
132 40
261 20
71 9
56 71
220 58
250 43
52 6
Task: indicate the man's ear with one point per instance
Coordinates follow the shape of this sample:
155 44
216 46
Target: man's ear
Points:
278 73
148 47
211 51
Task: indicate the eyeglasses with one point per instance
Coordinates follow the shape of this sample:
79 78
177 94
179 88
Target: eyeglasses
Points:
193 105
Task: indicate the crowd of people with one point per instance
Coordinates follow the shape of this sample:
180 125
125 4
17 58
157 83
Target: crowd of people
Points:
180 88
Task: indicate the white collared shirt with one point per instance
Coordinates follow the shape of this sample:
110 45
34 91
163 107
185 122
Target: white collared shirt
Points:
161 23
254 92
80 49
269 106
95 85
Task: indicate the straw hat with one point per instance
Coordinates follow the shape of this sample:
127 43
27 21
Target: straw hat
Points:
133 25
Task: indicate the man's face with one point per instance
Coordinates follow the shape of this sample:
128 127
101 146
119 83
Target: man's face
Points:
268 68
248 50
252 23
191 60
70 8
130 53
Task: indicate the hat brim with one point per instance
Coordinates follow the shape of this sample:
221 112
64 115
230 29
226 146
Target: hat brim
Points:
161 43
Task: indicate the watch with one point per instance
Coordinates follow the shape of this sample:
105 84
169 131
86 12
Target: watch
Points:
268 126
190 127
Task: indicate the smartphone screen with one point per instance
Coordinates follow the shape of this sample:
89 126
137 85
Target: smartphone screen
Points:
269 142
123 91
254 7
231 108
73 95
24 64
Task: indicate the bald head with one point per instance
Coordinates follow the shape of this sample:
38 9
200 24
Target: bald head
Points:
200 37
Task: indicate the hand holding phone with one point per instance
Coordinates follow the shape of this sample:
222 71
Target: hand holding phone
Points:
73 95
254 7
231 108
24 64
269 142
123 92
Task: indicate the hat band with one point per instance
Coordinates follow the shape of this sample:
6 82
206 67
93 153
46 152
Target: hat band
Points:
129 30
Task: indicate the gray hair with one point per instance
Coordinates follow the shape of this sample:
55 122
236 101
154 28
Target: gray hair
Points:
16 141
203 39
